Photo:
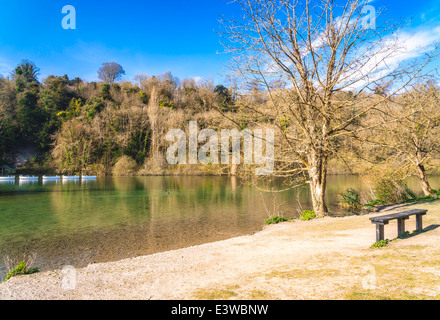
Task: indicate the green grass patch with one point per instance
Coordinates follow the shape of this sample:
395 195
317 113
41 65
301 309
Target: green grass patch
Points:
407 200
374 203
21 268
380 244
275 220
259 295
216 294
423 198
308 215
305 273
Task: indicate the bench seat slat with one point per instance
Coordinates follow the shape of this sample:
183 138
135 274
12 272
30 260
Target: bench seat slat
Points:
400 215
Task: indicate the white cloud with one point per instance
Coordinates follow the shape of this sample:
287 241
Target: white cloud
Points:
197 79
396 50
5 68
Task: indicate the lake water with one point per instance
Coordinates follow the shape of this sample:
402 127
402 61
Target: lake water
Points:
77 223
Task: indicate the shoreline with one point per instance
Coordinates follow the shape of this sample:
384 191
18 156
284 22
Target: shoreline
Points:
319 259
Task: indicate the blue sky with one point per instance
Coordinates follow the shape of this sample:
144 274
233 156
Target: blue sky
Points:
149 37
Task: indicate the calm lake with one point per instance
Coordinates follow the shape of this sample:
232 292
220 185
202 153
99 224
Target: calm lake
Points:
77 223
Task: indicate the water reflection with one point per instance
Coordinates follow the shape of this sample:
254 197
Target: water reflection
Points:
27 182
49 182
10 182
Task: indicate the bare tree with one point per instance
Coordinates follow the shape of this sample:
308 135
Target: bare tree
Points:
409 130
110 72
153 115
309 56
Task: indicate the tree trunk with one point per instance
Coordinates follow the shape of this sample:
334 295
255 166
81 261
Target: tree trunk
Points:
152 112
427 190
318 183
233 171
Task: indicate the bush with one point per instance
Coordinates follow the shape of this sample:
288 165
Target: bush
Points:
21 268
308 215
350 199
380 244
389 190
166 104
125 166
275 220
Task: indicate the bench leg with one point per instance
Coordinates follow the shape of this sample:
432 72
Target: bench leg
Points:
419 225
379 232
400 227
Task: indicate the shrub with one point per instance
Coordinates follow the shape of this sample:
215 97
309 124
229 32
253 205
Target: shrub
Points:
308 215
166 104
125 166
284 123
380 244
275 220
143 96
105 91
390 190
21 268
94 106
350 199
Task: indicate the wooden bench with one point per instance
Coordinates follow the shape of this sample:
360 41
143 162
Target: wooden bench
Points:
401 217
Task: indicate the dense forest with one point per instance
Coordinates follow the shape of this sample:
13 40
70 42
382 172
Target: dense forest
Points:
83 126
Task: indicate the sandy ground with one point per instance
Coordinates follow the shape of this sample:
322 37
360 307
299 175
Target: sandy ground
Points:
326 258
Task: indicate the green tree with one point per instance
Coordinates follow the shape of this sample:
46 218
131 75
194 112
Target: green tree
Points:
29 116
224 99
54 99
8 106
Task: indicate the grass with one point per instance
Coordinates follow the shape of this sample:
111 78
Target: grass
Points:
380 244
230 292
376 202
404 271
308 215
275 220
20 269
216 294
303 273
407 272
384 243
259 295
421 199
